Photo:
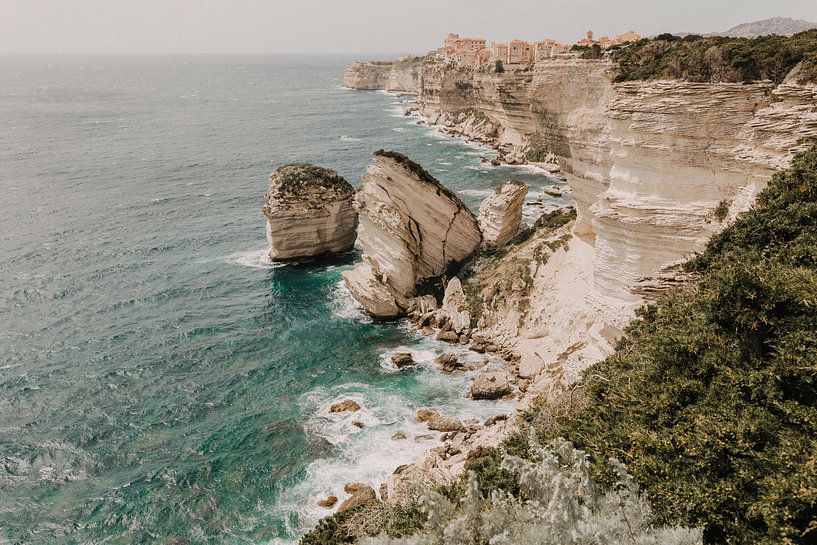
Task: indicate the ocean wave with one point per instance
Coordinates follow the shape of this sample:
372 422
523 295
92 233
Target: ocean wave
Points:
346 307
350 138
256 259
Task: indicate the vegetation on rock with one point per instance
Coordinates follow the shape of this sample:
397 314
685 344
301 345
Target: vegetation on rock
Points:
556 502
719 59
293 180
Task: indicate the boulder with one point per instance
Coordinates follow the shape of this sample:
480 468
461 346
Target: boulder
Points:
361 497
398 436
438 422
449 336
490 385
309 212
500 215
402 359
424 414
328 502
412 228
348 405
456 305
353 488
448 362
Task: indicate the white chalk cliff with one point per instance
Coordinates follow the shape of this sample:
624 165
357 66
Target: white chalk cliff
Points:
648 162
411 229
309 213
500 215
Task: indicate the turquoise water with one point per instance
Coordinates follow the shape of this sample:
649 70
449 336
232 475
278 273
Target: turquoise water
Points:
160 382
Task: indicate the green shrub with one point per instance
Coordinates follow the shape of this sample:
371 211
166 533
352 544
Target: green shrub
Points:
719 59
499 68
559 504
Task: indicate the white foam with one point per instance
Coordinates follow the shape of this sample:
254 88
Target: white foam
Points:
476 192
350 138
345 306
256 259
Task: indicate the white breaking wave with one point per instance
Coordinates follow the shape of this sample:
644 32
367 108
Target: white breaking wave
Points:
346 307
368 454
256 259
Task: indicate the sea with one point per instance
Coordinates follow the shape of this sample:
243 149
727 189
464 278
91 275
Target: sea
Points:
161 381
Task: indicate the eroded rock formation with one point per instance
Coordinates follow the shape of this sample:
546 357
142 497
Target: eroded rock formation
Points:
309 212
500 215
411 229
401 76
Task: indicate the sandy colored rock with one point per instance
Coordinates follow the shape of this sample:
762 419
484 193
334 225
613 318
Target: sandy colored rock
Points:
360 497
500 215
424 414
348 405
353 488
448 362
438 422
402 359
456 306
490 385
309 213
411 228
449 336
328 502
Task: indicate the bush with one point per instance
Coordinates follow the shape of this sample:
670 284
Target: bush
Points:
562 505
499 68
719 59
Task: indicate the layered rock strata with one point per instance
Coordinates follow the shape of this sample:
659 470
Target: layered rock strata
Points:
500 215
402 76
309 212
411 229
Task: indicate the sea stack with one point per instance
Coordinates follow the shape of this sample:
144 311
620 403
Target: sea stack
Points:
309 212
412 228
500 215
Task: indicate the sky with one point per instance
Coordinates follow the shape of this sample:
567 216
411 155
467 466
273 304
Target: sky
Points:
351 26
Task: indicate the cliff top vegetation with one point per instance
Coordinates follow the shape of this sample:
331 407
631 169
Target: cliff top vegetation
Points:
295 179
718 59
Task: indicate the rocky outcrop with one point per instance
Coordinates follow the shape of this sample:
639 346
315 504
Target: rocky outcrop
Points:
490 385
368 75
411 229
456 306
500 215
402 76
309 213
361 496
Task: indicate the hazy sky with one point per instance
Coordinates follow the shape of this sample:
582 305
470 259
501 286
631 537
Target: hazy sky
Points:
350 26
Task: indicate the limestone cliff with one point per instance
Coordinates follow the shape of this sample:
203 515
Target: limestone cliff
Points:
401 76
411 229
309 212
656 167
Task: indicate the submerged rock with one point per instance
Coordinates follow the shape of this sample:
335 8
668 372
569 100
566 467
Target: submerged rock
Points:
309 212
500 215
411 229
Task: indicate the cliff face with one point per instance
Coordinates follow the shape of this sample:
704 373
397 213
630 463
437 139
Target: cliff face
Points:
655 167
401 76
309 212
411 229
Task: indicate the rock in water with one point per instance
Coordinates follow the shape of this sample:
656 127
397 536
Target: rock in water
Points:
411 229
309 212
501 214
345 406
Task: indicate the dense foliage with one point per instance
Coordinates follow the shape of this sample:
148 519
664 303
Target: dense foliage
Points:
557 503
295 179
711 397
719 59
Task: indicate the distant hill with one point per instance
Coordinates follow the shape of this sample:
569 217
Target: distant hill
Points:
782 26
